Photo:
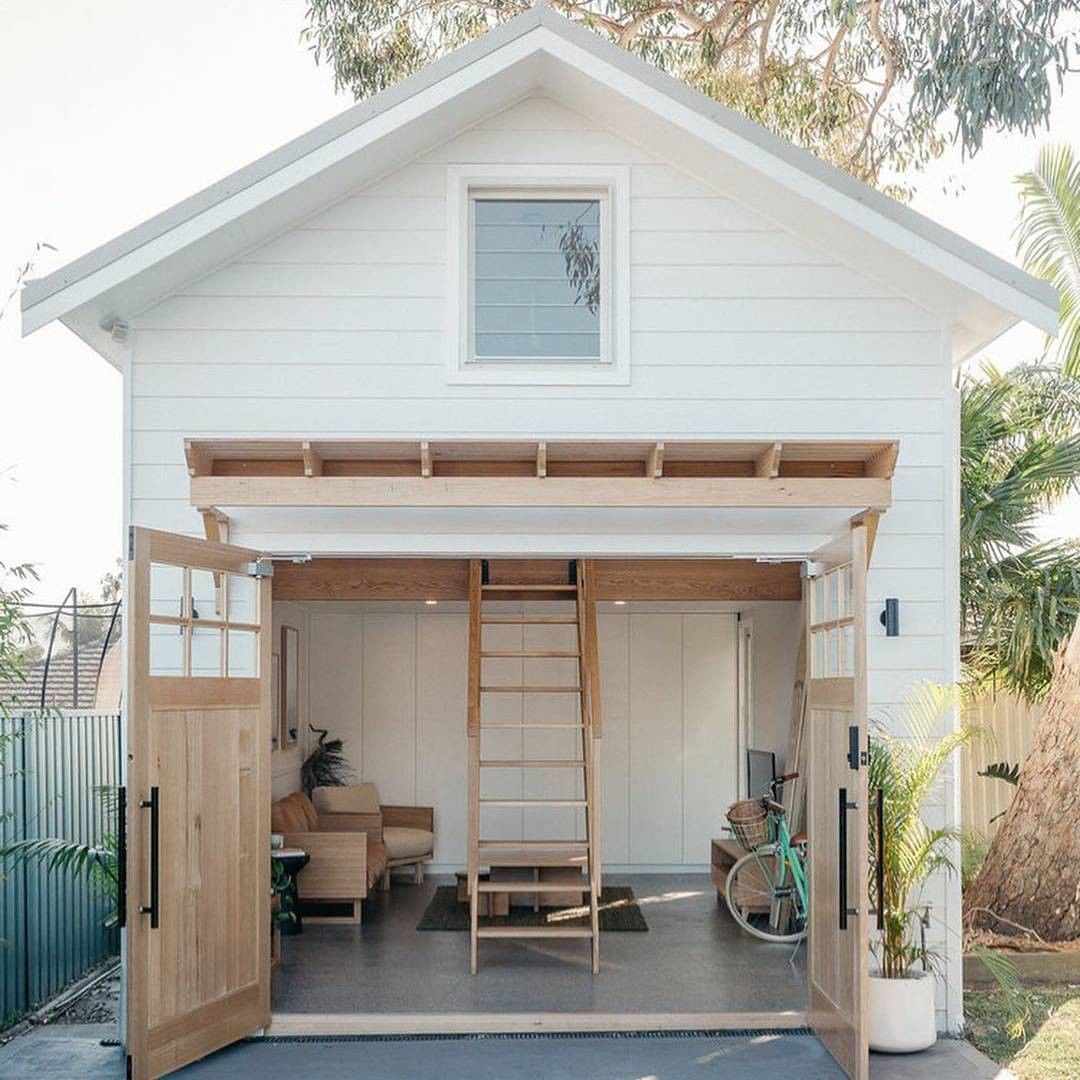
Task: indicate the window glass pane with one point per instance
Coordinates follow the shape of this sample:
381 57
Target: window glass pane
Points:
206 595
166 589
817 600
166 649
205 651
536 286
243 599
818 660
243 654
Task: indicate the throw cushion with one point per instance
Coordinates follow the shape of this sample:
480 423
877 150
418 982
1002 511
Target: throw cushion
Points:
355 799
402 843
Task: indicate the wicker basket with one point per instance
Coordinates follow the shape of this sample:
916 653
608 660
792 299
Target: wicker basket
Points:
749 823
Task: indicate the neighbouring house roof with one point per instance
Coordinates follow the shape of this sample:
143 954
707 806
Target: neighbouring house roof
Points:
979 294
59 680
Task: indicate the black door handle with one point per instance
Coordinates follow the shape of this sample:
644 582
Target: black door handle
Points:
121 856
152 909
879 865
842 860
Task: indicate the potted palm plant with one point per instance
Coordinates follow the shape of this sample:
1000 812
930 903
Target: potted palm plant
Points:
905 763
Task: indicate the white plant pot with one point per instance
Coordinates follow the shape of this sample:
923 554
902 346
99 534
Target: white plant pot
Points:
902 1013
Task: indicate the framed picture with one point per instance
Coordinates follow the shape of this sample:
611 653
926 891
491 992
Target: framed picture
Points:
290 686
275 701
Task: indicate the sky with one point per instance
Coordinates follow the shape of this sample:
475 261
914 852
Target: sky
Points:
110 112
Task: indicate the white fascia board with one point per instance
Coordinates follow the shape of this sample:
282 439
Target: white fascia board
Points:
993 287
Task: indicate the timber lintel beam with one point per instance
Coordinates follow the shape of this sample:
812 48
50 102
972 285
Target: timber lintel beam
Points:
727 492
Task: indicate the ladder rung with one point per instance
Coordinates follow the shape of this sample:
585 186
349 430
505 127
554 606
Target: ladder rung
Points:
533 802
533 932
530 844
530 689
532 764
527 652
533 886
530 588
531 725
528 620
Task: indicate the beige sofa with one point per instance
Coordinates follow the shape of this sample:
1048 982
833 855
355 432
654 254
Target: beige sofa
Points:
408 832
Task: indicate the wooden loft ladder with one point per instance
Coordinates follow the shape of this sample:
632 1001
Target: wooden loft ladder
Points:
567 851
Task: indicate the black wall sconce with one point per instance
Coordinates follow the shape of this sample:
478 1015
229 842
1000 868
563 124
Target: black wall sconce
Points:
890 617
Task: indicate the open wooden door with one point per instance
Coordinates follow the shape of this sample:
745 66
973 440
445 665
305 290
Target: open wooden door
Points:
836 807
197 712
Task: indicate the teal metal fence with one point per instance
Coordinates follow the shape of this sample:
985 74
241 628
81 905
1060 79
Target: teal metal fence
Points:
52 924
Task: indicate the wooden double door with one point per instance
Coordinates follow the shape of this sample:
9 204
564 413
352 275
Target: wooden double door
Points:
198 723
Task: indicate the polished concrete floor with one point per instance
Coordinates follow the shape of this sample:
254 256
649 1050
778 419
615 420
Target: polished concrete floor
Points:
693 959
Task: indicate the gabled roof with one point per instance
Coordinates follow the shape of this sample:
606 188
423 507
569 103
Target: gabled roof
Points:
978 293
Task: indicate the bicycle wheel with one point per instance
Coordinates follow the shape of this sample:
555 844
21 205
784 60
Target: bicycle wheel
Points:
758 904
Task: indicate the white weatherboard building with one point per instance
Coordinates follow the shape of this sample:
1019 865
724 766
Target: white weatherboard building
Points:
537 303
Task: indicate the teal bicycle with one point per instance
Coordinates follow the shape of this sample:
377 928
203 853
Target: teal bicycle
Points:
766 890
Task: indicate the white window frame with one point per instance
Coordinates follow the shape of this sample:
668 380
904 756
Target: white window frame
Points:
611 186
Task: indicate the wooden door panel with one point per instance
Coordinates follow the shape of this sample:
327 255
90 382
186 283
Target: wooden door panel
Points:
198 975
837 949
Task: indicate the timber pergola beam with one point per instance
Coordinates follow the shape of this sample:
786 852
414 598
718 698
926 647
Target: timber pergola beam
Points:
355 473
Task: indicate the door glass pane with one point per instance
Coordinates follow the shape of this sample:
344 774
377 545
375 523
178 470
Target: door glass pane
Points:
817 600
166 589
166 649
206 645
243 599
536 292
243 654
206 594
847 655
832 651
832 583
818 658
845 592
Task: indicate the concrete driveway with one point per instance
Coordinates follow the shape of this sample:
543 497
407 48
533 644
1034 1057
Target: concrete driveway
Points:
65 1053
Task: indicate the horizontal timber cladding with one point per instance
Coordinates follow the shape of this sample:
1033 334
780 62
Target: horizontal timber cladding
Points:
615 579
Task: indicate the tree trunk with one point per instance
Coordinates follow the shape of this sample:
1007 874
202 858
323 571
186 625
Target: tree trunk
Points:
1032 871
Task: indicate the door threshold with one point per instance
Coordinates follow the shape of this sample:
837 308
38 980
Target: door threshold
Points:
293 1024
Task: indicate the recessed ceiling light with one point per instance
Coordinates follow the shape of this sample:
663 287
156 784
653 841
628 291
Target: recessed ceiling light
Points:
619 603
431 603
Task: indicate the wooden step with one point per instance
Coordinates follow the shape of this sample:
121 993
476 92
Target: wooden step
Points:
523 764
574 855
538 725
528 652
533 802
533 886
529 588
530 689
533 931
529 620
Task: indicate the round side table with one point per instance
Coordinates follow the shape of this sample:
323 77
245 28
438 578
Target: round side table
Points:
292 860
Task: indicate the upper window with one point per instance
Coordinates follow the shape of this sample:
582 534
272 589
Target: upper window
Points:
539 274
538 278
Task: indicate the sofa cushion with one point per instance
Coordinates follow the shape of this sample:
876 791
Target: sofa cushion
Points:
353 799
403 843
294 813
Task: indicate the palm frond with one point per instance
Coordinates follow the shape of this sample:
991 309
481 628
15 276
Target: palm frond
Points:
1002 770
1007 977
56 854
1048 240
